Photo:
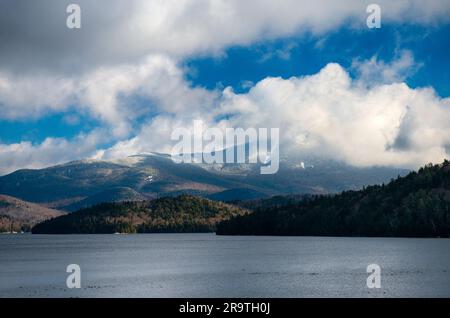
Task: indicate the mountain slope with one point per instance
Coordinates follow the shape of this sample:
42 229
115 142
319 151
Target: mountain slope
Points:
117 194
17 215
171 214
417 205
236 195
156 175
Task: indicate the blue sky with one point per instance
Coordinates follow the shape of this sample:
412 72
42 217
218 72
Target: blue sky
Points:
307 54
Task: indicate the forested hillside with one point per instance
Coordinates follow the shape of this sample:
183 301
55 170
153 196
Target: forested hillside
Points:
171 214
18 215
417 205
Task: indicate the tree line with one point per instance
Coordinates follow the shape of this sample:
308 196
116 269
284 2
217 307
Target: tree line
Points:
417 205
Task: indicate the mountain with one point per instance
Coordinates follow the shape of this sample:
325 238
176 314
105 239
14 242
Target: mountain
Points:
171 214
17 215
274 201
236 195
76 184
417 205
117 194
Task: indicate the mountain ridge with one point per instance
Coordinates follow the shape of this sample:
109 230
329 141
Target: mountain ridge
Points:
156 175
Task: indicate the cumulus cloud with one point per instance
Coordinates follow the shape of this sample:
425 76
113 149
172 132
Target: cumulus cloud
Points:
105 93
50 152
153 136
330 115
327 114
375 71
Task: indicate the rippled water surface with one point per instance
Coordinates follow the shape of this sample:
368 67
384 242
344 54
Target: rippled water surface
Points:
206 265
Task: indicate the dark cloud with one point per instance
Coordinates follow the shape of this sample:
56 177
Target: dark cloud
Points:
34 36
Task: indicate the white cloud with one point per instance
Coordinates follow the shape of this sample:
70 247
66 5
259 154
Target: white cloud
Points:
375 71
105 93
327 114
153 136
50 152
29 96
330 115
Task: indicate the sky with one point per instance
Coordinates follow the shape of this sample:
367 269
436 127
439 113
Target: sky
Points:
136 70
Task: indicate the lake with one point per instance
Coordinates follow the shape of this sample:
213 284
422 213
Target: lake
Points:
206 265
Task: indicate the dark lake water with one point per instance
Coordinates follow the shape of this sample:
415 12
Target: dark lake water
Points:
206 265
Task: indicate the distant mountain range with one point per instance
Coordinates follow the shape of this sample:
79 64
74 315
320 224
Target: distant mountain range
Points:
84 183
17 215
117 194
